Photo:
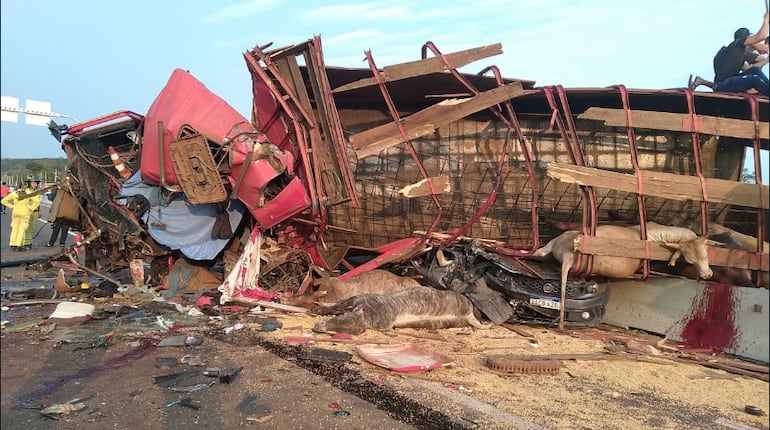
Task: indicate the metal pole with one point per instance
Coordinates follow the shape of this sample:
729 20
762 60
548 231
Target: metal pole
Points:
29 112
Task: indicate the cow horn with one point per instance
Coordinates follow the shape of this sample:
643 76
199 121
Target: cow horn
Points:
710 242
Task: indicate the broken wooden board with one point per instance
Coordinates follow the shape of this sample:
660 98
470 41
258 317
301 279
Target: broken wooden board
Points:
444 236
421 123
425 66
441 185
659 184
717 126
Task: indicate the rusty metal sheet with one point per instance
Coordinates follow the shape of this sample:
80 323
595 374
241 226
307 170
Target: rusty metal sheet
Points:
64 206
195 168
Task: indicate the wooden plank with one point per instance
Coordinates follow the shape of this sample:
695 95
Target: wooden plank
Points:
635 249
443 236
615 247
659 184
441 185
421 123
426 66
738 259
717 126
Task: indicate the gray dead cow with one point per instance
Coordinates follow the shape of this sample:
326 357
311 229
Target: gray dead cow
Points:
684 241
418 307
335 290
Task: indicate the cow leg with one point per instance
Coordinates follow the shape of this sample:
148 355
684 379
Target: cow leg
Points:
542 252
475 323
674 257
566 264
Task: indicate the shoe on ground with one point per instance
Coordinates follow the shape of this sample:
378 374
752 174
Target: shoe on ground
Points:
49 245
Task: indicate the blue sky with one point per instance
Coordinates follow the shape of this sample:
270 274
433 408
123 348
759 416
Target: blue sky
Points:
90 57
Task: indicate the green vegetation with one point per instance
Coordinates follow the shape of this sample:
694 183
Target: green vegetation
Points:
15 170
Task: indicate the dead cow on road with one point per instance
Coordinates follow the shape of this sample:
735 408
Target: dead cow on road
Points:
335 290
419 307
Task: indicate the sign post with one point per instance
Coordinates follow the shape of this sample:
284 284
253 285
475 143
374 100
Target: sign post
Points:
35 113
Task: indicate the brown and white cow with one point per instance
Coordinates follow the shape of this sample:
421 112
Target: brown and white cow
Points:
684 241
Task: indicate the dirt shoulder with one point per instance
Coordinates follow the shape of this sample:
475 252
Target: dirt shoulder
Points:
306 380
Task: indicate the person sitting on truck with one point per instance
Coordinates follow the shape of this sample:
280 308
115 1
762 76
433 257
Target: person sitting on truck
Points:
752 57
729 75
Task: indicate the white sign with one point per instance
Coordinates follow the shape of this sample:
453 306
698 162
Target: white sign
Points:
37 113
10 109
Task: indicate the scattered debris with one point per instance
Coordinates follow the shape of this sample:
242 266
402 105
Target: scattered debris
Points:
187 402
174 378
523 364
247 400
99 342
56 411
72 313
404 357
165 362
191 388
320 354
228 378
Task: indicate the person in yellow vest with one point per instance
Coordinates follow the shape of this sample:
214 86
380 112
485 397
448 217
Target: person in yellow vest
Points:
30 233
22 211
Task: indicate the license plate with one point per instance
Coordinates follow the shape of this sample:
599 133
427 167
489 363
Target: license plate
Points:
545 302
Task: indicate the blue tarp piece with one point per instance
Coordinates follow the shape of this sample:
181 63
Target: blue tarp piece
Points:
179 224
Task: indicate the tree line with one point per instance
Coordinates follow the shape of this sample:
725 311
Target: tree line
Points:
16 170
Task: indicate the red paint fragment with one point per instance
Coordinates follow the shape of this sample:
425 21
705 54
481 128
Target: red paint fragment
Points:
341 336
712 321
204 301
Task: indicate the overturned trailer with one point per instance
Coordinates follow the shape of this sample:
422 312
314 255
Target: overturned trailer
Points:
413 165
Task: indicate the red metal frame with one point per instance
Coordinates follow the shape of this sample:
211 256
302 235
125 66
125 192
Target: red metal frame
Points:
704 209
576 156
103 121
763 204
511 121
639 181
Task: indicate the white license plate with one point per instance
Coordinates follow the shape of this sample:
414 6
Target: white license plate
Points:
545 303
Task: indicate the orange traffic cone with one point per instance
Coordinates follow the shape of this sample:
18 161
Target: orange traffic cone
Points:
118 163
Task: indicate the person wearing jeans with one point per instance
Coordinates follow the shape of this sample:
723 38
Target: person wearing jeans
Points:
729 61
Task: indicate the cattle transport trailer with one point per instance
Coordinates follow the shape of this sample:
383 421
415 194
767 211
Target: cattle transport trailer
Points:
399 158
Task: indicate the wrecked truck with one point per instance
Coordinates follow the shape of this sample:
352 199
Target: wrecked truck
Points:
352 169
